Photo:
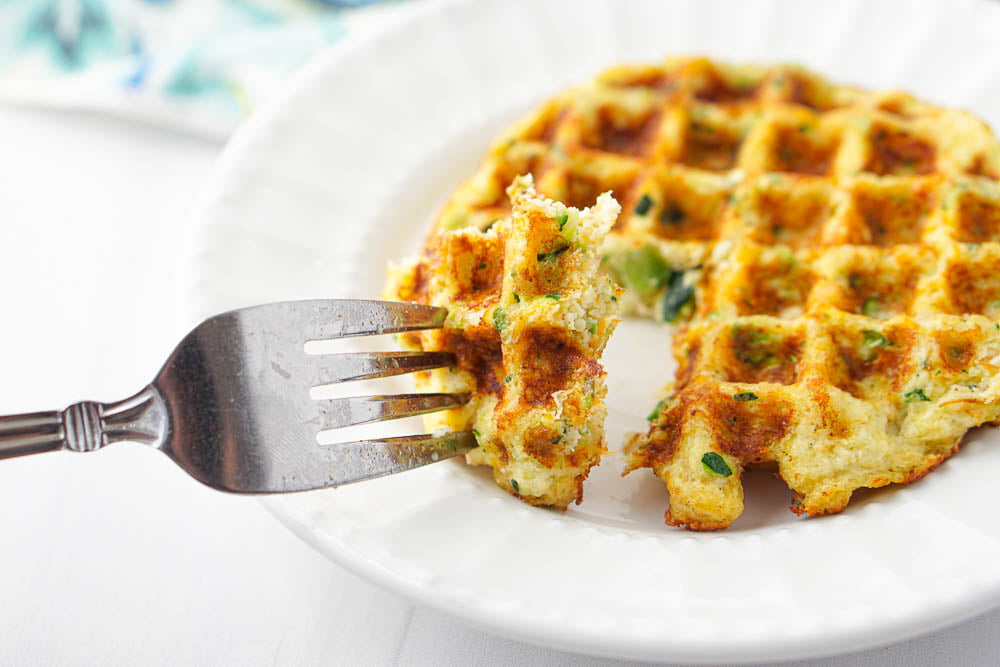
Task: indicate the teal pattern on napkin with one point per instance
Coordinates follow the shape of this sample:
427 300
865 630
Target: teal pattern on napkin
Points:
194 64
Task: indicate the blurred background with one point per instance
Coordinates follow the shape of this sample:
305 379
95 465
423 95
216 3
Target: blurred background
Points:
195 65
112 114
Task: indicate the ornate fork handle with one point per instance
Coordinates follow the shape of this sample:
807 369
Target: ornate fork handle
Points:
87 426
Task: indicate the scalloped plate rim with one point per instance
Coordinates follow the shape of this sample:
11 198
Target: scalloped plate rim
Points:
732 652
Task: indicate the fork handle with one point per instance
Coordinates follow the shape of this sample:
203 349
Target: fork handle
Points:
31 433
86 426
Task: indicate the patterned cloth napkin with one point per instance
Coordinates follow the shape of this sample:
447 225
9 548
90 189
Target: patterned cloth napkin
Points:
195 65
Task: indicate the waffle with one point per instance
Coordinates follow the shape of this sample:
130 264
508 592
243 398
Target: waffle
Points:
830 256
529 316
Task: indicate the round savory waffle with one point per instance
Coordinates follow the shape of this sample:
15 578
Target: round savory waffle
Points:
832 258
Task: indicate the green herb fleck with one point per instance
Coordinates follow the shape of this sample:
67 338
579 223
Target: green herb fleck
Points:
645 270
482 265
499 319
592 326
645 203
874 339
678 295
754 346
555 296
870 307
517 488
546 256
508 379
745 396
656 411
561 220
716 464
517 298
916 395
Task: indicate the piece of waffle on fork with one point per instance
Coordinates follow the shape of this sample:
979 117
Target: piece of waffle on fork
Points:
529 316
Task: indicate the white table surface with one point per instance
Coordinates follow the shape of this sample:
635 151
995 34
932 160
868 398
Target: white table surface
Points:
117 557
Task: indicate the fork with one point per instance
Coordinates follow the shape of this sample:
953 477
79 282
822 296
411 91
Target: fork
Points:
231 405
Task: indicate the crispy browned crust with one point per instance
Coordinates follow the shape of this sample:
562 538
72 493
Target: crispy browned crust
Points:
841 250
529 318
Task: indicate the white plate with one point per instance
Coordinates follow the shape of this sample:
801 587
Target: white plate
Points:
343 173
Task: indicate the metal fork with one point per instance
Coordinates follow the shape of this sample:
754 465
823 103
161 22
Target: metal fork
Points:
231 406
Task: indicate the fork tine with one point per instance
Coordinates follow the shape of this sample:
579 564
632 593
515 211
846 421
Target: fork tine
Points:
349 366
354 410
365 459
322 319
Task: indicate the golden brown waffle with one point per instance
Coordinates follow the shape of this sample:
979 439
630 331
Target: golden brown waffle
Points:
529 315
833 253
